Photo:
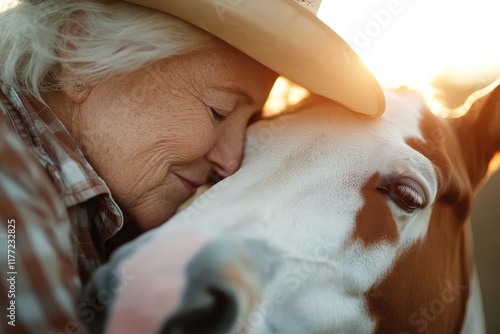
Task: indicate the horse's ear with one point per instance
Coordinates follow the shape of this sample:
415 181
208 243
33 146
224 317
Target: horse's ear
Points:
479 134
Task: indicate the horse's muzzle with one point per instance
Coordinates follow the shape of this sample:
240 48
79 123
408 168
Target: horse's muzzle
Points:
206 289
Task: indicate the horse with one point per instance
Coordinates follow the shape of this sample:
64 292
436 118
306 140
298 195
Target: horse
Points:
336 222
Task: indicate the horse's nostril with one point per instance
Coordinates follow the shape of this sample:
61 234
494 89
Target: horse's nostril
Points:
223 282
204 310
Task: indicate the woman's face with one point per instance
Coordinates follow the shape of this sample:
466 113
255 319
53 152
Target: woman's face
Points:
156 134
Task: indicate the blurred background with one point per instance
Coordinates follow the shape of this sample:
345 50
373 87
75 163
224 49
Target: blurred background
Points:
447 49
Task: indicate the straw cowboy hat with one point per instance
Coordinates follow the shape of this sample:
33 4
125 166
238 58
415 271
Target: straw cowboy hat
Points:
288 38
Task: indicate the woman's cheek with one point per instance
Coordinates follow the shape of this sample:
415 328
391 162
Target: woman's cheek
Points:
203 143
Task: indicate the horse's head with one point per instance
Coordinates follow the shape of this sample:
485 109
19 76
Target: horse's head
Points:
335 223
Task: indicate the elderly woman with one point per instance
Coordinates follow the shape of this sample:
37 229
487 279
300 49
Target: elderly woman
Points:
113 113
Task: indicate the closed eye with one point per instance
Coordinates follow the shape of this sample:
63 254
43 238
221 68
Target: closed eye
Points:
405 192
217 116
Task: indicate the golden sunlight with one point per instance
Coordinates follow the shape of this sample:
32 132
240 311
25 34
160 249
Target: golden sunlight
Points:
284 93
446 49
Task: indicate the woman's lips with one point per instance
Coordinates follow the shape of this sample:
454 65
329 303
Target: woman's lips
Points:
190 185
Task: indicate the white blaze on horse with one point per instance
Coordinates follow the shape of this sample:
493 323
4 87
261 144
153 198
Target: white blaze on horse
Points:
335 223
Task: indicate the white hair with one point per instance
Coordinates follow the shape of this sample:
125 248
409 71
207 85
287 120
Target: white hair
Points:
106 38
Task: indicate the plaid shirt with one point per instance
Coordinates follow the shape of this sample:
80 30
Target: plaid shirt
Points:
56 214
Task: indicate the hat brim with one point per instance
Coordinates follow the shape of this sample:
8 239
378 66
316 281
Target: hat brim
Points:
288 39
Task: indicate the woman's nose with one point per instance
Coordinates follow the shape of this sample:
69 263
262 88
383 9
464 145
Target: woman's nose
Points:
227 152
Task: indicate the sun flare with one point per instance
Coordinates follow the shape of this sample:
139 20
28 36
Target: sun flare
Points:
446 49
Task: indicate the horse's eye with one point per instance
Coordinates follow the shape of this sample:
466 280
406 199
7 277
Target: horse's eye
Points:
406 193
